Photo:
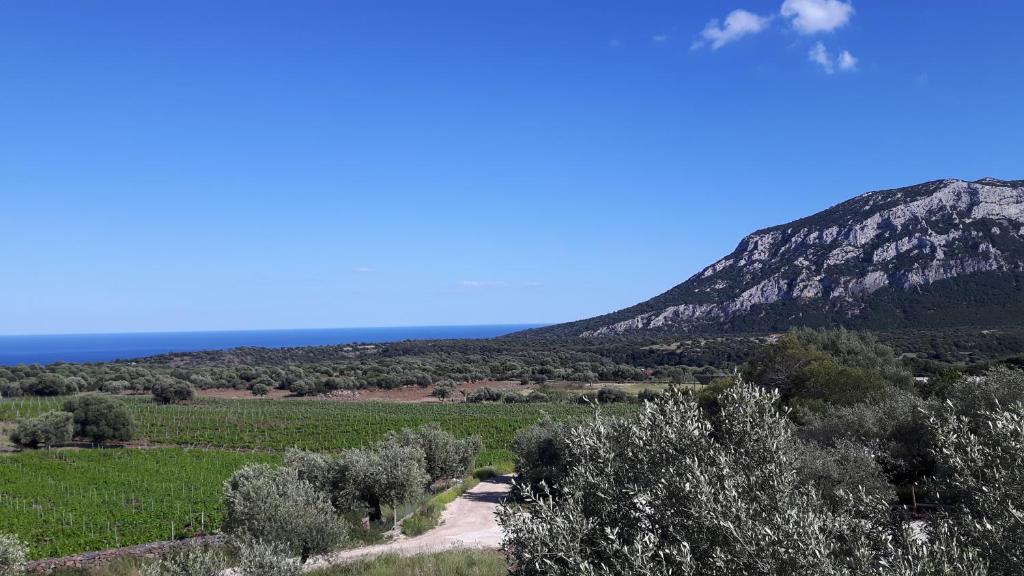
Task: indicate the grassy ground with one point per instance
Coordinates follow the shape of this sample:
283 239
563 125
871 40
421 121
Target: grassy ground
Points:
455 563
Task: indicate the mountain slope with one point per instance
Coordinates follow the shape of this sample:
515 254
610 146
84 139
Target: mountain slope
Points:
942 253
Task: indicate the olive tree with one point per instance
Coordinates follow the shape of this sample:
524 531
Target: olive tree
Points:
380 476
672 490
275 506
981 464
13 555
445 456
540 453
100 418
47 429
168 390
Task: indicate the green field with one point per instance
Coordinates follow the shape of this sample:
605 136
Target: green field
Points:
317 424
67 501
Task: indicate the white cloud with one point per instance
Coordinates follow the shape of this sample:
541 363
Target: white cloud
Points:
362 269
660 38
738 23
814 16
847 61
819 55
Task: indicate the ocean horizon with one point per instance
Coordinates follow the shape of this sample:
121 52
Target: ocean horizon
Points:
50 348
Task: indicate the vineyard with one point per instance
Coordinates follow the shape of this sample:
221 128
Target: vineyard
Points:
67 501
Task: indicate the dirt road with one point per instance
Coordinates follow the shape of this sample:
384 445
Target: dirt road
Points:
468 522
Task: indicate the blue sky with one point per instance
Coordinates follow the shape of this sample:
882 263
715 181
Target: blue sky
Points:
229 165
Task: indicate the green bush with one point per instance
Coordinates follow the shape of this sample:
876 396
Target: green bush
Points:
192 561
47 429
49 384
100 418
274 506
172 391
609 395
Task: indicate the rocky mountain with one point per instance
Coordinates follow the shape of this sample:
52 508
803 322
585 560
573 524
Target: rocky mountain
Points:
942 253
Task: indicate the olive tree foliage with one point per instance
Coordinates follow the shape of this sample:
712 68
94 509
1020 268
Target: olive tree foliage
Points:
445 456
167 390
13 555
275 506
373 477
673 490
100 418
258 558
191 561
540 453
981 466
397 470
47 429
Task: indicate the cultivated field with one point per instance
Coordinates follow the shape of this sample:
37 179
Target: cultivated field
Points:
71 500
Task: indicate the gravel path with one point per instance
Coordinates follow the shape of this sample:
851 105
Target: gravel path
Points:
468 522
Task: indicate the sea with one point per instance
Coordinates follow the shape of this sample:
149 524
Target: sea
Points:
50 348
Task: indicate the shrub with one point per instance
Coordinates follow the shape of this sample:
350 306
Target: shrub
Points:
192 561
609 395
275 506
114 386
100 418
48 384
13 555
816 363
484 394
48 429
260 389
540 453
443 391
647 395
445 457
10 389
171 391
257 558
537 397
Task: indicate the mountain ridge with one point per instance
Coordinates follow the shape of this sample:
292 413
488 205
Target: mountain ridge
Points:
871 261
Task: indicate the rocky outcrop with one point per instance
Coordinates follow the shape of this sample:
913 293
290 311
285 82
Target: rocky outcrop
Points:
891 239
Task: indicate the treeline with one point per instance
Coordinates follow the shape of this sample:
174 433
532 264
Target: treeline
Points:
444 363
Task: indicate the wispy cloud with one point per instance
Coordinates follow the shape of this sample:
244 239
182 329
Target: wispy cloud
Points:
815 16
362 269
821 56
659 38
483 283
737 24
847 61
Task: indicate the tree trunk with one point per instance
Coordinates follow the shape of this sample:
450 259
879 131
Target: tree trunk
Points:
375 512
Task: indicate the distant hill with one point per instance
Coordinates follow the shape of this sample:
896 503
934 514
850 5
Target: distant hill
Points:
939 254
